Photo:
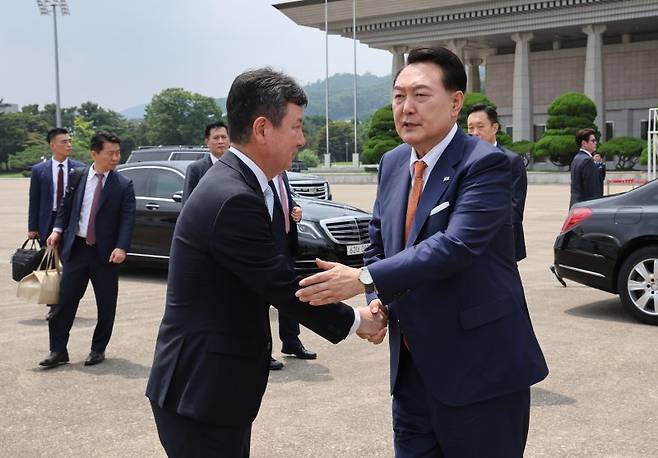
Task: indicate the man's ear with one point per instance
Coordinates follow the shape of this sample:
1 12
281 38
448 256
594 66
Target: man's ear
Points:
457 102
258 129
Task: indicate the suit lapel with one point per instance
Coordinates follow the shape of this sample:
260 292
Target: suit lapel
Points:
398 202
51 178
110 183
437 183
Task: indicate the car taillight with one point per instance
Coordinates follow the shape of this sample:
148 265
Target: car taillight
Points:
576 216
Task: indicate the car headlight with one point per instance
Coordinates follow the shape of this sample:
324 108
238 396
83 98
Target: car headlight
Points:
306 229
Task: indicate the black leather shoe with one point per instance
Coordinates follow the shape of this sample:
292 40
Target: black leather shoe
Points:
94 358
275 365
299 351
55 358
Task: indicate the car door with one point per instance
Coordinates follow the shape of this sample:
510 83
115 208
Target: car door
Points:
162 210
140 178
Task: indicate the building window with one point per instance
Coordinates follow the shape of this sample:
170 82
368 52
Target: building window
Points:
609 130
538 131
644 129
509 130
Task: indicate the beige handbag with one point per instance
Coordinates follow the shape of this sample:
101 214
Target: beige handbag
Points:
42 285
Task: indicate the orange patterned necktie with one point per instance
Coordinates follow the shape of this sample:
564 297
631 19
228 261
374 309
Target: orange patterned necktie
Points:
414 196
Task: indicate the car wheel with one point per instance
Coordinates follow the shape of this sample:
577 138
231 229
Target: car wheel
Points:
637 284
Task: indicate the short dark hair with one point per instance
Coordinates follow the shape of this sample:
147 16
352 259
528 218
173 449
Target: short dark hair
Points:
583 135
454 74
214 125
490 111
260 92
102 137
52 133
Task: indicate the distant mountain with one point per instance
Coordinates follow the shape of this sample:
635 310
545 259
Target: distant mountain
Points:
373 92
136 112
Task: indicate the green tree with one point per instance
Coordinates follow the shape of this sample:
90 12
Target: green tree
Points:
341 141
309 157
178 117
80 138
567 114
12 137
312 126
627 150
382 135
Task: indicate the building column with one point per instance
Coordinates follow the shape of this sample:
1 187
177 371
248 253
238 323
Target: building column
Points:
594 72
457 46
473 76
522 111
398 59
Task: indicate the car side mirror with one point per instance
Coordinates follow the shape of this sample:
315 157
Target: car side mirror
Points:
177 196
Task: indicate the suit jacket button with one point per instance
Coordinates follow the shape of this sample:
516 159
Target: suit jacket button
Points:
269 346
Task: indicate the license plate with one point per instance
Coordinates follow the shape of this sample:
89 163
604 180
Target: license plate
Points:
356 249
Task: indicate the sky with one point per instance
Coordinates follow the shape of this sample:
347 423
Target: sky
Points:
120 53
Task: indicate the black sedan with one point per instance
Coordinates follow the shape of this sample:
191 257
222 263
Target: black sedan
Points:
328 230
612 244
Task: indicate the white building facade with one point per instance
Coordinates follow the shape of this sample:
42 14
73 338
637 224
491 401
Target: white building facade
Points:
531 51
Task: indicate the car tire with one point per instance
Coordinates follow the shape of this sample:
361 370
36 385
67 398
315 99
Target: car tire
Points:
637 284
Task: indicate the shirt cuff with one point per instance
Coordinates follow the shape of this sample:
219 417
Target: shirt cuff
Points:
57 229
357 322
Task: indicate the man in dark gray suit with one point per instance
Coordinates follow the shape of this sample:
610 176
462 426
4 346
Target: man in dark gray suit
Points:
483 123
218 141
585 176
214 345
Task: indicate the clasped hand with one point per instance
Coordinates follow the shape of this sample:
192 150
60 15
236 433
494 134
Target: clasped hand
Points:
374 320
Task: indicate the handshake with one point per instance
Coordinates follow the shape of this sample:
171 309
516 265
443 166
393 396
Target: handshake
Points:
374 319
338 282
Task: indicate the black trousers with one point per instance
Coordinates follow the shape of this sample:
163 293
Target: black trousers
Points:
289 331
183 437
82 266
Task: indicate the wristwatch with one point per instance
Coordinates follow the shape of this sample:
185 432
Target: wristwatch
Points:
366 280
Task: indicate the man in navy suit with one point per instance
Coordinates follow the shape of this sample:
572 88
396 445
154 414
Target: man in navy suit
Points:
585 176
285 237
93 229
483 123
463 351
48 183
210 367
217 140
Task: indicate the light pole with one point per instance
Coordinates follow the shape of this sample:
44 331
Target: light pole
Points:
44 9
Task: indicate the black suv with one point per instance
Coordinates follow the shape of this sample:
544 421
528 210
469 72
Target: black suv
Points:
303 184
328 230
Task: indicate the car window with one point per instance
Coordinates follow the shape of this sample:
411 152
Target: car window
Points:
165 183
139 179
187 156
141 156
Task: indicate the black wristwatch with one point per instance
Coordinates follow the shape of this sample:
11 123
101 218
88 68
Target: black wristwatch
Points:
366 279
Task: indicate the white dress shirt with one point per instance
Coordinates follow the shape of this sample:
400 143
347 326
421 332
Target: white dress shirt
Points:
263 182
87 200
432 156
213 158
55 168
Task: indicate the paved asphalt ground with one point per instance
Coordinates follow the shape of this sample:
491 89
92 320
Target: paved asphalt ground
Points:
600 400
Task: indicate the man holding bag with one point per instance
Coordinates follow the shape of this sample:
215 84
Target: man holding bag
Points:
93 229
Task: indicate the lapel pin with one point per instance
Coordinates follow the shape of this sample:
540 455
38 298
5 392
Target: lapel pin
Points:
446 179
